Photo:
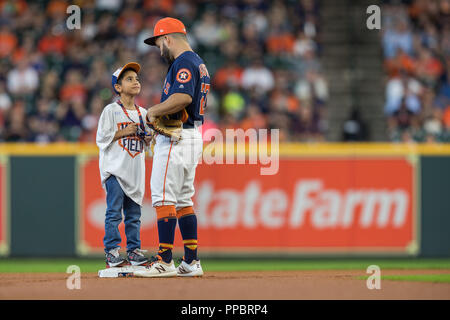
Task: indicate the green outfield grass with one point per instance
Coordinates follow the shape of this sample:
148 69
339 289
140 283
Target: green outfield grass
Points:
438 278
93 265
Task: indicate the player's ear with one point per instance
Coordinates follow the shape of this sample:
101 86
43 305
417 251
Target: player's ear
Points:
118 87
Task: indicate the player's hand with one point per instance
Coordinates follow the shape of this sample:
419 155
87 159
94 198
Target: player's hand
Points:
130 129
150 118
147 140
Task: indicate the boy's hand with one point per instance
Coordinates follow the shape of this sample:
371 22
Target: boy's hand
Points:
130 129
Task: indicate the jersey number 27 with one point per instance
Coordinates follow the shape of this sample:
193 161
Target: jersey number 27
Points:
205 90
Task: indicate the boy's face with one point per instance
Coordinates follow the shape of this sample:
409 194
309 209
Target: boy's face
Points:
129 84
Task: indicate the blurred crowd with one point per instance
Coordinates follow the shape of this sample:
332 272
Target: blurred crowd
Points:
263 56
416 44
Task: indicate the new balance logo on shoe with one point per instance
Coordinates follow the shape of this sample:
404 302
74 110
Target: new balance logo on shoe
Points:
157 269
190 270
160 269
182 270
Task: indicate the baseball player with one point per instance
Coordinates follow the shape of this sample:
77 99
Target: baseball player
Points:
121 139
184 97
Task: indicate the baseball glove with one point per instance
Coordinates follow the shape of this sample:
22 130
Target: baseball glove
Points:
167 127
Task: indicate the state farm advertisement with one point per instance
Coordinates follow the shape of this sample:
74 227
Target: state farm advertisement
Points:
311 205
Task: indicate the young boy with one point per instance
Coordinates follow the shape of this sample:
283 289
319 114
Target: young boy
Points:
121 139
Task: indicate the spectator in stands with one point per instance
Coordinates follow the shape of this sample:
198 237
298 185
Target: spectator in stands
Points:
399 37
354 129
400 63
230 74
403 89
5 99
110 5
16 130
70 116
42 123
8 41
401 122
257 19
233 102
433 125
305 125
90 120
303 44
23 80
312 87
443 91
428 68
53 44
254 118
74 88
207 31
257 76
282 100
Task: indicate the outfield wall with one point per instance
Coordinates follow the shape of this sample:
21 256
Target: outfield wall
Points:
326 199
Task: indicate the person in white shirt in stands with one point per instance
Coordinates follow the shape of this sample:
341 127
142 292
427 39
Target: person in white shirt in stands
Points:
258 76
23 80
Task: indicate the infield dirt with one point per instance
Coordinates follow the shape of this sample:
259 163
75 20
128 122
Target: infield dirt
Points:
277 285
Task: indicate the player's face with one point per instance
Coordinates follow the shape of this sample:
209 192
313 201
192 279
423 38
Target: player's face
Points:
165 52
130 83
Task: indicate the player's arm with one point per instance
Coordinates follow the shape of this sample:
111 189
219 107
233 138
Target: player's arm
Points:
176 102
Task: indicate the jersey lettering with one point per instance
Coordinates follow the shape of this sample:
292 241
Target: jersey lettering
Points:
203 71
133 145
205 90
166 88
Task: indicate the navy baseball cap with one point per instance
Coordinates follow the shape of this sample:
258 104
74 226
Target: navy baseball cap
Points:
130 65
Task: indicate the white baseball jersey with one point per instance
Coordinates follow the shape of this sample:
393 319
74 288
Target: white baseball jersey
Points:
173 171
125 157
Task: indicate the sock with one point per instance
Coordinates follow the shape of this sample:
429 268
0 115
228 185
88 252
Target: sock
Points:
167 223
187 221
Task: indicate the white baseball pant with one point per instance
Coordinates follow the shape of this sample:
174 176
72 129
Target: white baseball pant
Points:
173 170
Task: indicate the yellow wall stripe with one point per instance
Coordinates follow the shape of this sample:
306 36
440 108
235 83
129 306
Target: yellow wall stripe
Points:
285 149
